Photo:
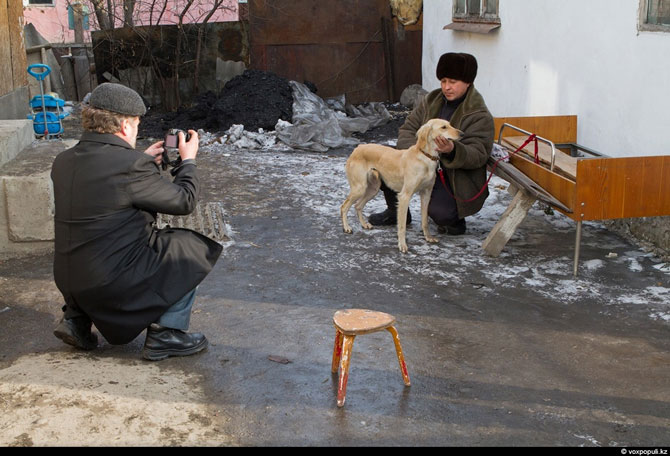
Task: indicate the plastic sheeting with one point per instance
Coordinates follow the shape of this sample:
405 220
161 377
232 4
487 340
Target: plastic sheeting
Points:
319 125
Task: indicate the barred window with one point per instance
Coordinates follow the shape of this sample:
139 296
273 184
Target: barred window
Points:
476 10
479 16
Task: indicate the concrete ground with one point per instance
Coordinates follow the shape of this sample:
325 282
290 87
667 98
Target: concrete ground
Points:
508 351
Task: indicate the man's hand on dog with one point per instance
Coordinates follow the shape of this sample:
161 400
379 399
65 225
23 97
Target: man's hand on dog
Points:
443 145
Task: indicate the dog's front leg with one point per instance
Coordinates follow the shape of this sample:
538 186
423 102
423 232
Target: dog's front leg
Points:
403 205
425 200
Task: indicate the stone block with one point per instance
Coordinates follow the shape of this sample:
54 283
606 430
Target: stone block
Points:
412 96
30 207
14 136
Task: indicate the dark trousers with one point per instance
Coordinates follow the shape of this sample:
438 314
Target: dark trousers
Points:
442 207
177 316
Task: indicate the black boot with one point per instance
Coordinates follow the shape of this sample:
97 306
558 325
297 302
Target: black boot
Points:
390 215
162 342
455 229
77 332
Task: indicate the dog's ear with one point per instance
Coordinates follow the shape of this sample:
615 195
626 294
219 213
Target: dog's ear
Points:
422 136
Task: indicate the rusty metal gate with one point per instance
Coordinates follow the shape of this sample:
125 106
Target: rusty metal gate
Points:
351 47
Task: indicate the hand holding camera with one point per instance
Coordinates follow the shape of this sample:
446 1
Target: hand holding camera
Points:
185 142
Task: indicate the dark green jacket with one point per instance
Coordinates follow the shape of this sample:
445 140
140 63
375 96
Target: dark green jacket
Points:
467 168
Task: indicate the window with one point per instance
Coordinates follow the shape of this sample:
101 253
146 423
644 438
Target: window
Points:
479 16
476 10
41 2
655 15
70 17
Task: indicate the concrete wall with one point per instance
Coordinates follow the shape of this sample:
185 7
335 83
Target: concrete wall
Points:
15 104
13 76
568 57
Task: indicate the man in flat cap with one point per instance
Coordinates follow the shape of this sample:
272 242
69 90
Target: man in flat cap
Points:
463 192
114 268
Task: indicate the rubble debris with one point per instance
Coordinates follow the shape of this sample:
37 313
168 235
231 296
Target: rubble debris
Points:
237 136
279 359
412 95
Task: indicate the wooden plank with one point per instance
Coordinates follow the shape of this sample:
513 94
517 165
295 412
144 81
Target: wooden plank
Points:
563 163
17 46
503 231
558 129
407 42
610 188
6 78
559 187
516 178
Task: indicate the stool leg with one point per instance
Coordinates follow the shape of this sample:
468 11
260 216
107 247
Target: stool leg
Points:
401 357
344 369
337 351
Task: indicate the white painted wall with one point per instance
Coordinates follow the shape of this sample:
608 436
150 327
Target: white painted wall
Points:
553 57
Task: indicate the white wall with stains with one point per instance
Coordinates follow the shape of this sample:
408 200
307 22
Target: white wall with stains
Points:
569 57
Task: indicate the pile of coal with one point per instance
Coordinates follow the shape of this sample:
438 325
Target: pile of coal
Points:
255 99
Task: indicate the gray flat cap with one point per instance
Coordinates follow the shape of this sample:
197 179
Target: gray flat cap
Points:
117 98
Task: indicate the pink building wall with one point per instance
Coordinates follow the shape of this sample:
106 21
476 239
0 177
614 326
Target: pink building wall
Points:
51 21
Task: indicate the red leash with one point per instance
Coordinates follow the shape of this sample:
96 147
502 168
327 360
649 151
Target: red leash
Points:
440 171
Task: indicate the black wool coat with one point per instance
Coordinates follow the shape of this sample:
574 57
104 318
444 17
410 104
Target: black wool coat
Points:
109 258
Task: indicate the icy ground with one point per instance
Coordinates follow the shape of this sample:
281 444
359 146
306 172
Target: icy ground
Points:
539 256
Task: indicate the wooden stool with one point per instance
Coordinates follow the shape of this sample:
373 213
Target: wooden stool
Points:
349 324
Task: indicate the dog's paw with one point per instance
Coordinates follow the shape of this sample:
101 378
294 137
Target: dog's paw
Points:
432 239
367 226
347 230
402 247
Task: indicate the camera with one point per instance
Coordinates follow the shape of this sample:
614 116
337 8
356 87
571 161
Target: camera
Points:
172 142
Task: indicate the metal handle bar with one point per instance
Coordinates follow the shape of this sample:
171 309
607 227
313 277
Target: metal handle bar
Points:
553 148
46 69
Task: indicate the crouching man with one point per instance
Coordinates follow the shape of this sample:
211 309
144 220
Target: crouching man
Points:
464 188
114 268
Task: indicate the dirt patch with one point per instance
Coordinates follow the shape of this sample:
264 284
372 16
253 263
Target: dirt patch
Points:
123 403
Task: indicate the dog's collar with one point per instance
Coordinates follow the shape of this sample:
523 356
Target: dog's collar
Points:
429 156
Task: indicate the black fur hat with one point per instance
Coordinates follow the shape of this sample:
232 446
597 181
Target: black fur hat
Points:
457 65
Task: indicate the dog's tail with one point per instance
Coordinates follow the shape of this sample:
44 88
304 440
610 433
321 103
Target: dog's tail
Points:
374 180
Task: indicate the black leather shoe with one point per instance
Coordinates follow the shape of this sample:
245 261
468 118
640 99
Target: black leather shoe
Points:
387 218
76 332
162 342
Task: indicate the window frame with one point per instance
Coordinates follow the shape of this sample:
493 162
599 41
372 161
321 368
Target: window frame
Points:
481 17
643 25
480 23
47 3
